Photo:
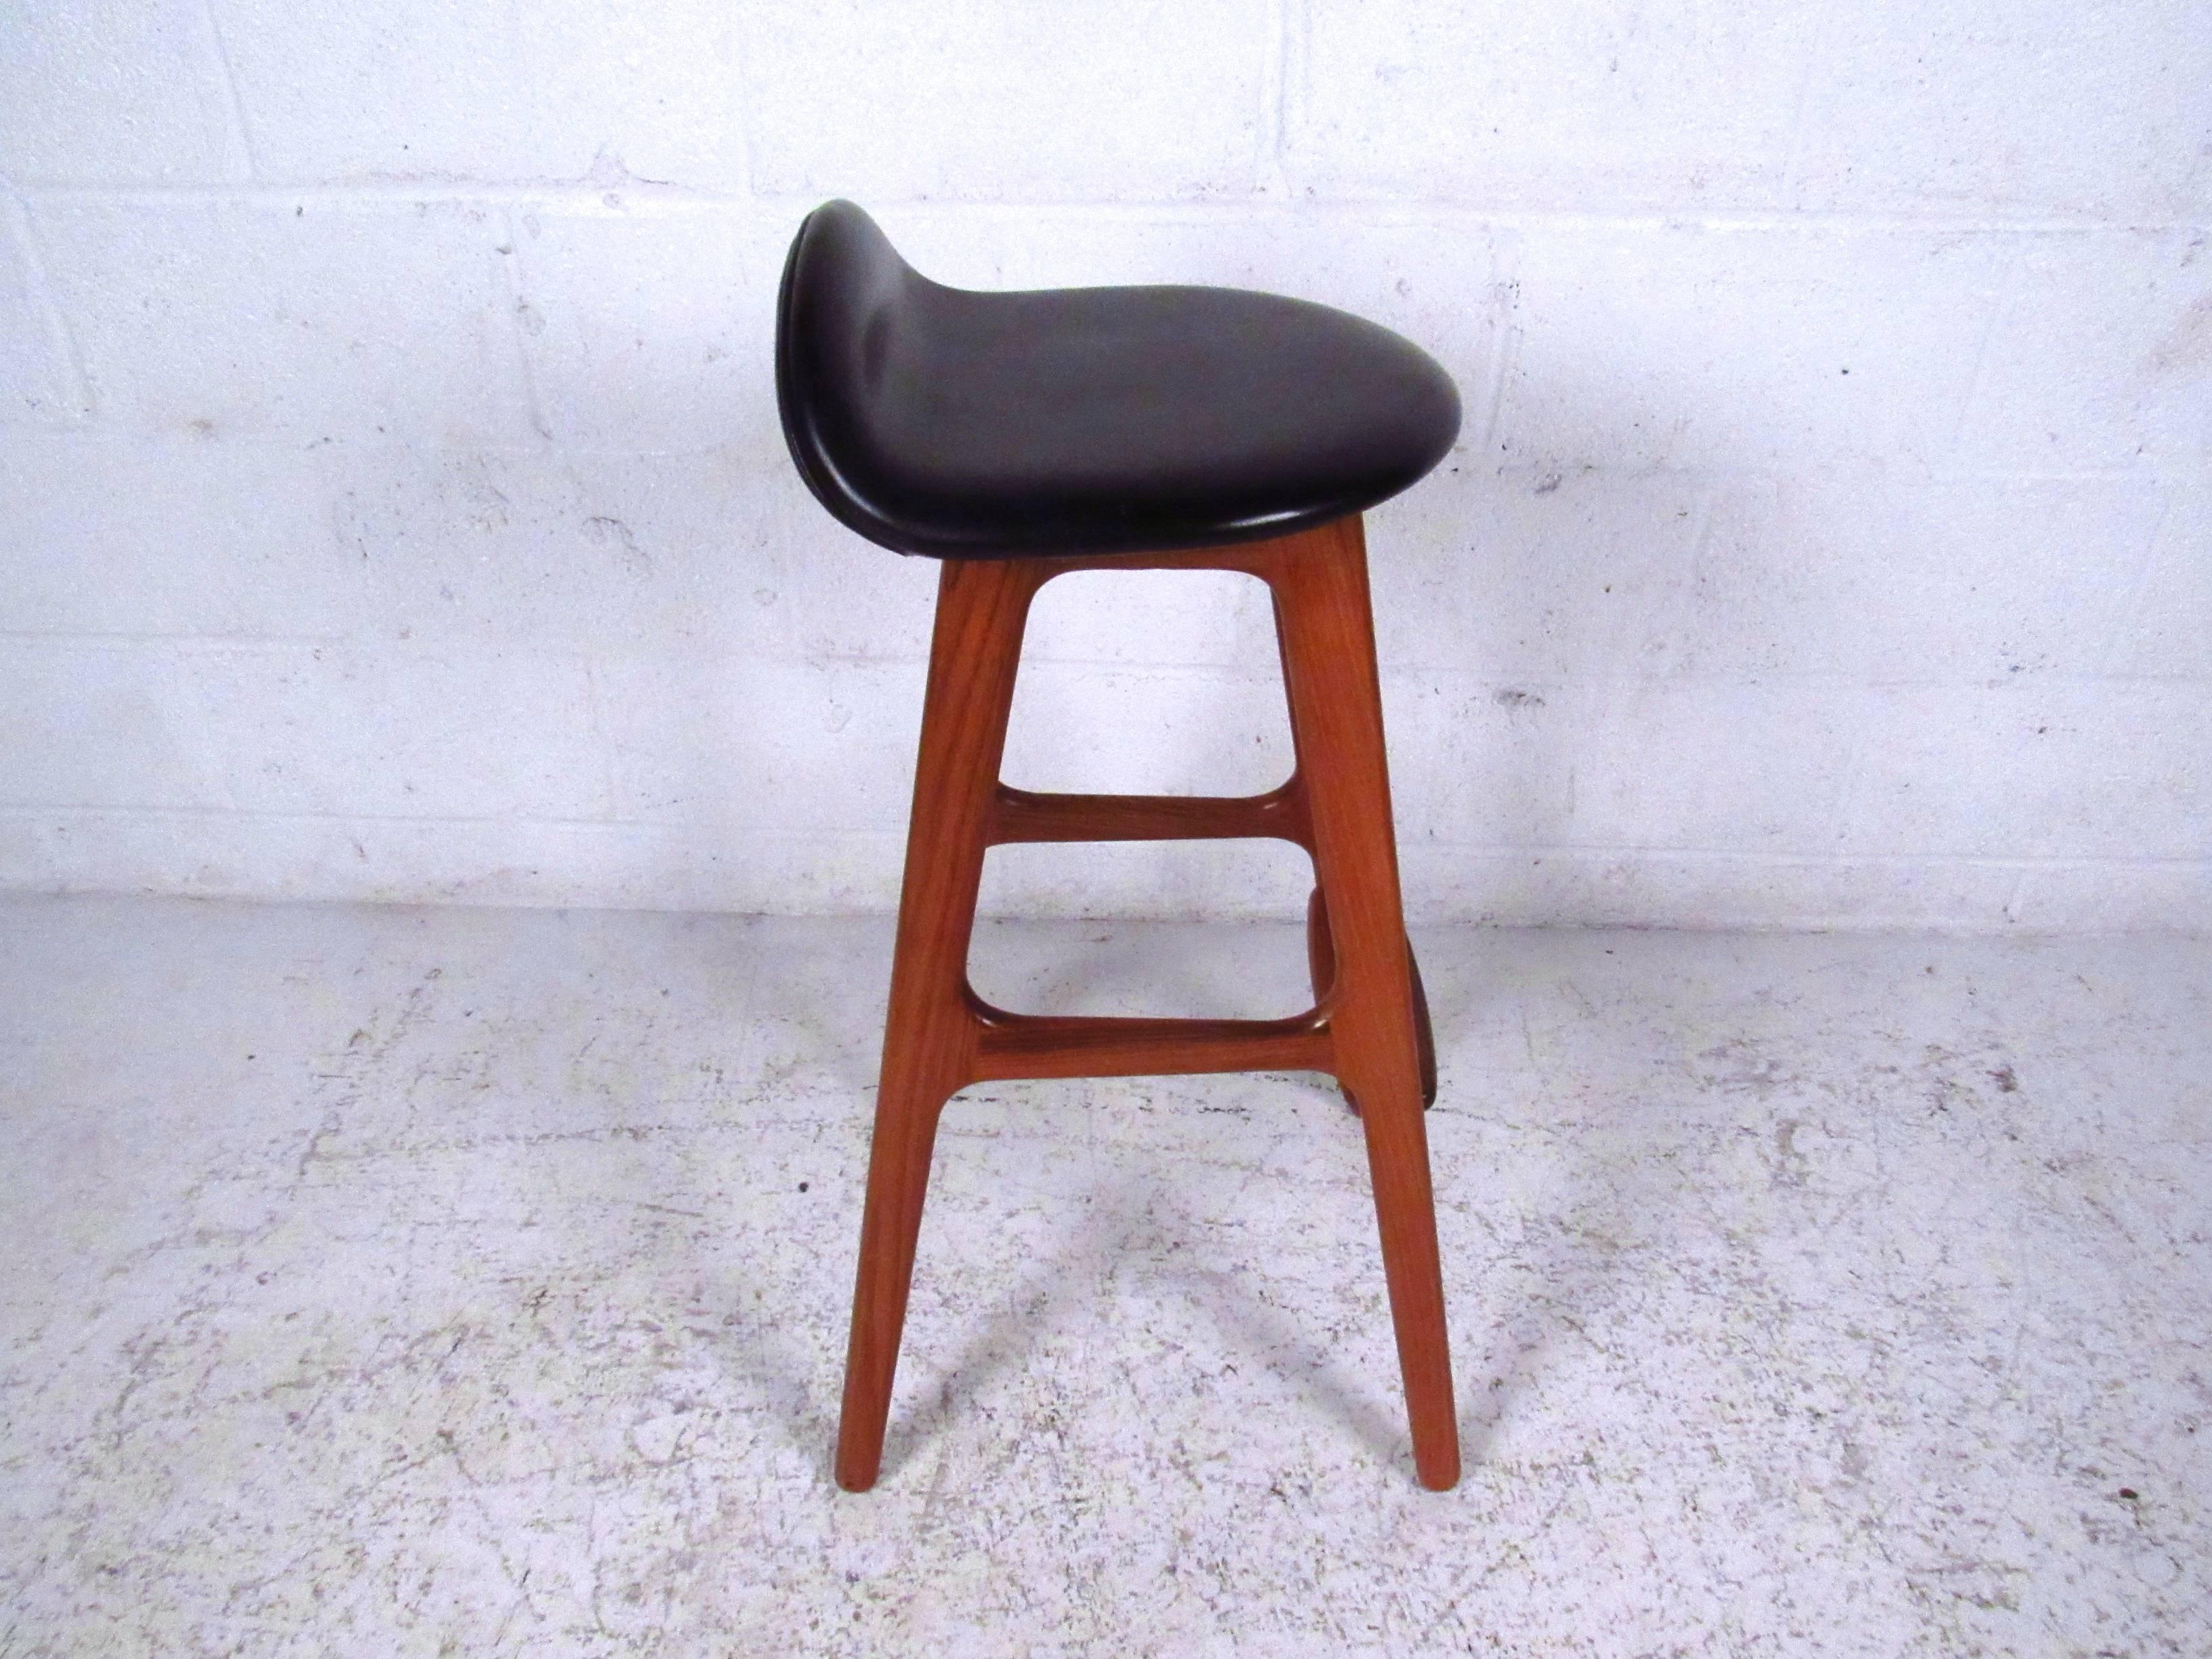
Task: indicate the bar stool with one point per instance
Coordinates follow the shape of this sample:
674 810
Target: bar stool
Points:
1017 436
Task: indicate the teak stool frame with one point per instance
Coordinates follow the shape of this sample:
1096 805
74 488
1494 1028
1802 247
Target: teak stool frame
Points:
1368 1028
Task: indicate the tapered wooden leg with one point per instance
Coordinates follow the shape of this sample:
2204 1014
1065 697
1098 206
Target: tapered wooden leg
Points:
929 1038
1328 645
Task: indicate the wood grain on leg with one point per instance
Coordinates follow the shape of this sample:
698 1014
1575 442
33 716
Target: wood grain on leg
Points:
929 1037
1321 950
1328 645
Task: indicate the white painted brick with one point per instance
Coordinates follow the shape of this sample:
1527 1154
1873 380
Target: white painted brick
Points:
1887 580
1988 106
1704 632
2038 769
2102 357
295 319
102 723
1742 350
1556 886
540 548
2128 896
752 742
832 744
653 330
112 91
109 535
508 91
1709 765
1185 880
973 100
1691 765
838 595
362 730
1169 731
1467 770
1214 618
1533 576
2171 631
504 860
1581 105
33 380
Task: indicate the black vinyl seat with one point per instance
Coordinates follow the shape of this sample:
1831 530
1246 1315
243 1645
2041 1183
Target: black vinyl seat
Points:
937 421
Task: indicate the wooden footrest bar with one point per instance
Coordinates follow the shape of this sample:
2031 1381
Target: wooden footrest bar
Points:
1012 1046
1020 815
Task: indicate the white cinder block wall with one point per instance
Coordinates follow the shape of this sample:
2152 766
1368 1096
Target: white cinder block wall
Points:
393 503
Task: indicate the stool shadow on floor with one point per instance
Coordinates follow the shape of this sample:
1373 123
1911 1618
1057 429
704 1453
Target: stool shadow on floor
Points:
1297 1351
1123 965
1130 1216
1021 1320
1585 1202
1529 1272
794 1389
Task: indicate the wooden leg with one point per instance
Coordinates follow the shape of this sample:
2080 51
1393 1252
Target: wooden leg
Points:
1328 645
1320 967
1321 950
929 1038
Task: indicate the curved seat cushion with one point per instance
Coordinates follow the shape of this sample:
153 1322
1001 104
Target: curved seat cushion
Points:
1103 419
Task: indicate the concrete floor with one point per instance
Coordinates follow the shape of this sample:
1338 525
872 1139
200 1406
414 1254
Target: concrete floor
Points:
393 1282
